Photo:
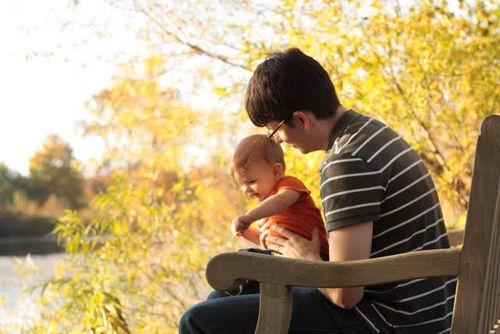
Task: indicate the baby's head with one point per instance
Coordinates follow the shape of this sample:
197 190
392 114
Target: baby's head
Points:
257 165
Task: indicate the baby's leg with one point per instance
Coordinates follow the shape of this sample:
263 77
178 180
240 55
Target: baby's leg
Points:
246 287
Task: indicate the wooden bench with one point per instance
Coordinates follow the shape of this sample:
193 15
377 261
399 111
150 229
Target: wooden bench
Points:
477 263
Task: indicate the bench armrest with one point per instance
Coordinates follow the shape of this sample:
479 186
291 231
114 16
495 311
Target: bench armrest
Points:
226 270
277 275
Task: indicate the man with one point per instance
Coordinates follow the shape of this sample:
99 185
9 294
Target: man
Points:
378 199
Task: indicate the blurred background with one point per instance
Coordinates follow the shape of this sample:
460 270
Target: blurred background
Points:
118 118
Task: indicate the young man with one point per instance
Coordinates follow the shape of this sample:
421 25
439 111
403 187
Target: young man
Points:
378 199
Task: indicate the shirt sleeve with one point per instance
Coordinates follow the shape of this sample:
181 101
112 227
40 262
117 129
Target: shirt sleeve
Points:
292 183
351 192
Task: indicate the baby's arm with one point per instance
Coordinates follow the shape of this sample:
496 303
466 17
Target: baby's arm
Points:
252 234
270 206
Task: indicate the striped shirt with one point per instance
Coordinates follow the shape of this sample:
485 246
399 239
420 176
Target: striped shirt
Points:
371 174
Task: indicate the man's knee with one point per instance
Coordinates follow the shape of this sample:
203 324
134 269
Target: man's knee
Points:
216 294
188 322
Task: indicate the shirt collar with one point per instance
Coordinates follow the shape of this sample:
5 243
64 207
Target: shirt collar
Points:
341 125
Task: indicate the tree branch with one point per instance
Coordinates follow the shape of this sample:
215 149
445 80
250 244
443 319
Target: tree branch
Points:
194 47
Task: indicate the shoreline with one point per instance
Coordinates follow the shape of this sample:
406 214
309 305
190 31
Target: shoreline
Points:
45 244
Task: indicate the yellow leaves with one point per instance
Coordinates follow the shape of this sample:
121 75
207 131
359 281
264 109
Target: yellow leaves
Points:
154 66
59 271
120 228
52 329
461 221
220 91
305 168
140 118
94 302
103 314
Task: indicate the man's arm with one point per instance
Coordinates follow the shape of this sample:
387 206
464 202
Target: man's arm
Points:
348 243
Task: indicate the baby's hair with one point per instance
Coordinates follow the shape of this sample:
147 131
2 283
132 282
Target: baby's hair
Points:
253 148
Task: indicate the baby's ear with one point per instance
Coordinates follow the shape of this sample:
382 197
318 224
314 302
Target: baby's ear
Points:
278 170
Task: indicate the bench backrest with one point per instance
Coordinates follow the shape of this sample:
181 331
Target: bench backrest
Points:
477 303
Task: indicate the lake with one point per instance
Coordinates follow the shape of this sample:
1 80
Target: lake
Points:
16 274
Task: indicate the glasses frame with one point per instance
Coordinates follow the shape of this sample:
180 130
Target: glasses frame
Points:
271 133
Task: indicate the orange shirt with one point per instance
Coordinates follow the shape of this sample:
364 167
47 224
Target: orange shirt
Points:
302 216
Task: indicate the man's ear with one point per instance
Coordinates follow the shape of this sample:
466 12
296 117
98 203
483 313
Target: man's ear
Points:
278 170
304 119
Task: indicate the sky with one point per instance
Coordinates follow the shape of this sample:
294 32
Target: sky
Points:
51 62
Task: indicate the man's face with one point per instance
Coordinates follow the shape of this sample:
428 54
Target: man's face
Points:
291 135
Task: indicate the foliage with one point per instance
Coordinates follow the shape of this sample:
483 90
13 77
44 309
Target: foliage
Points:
55 183
54 170
139 263
9 185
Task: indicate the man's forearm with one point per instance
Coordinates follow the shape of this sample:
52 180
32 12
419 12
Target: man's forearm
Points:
345 298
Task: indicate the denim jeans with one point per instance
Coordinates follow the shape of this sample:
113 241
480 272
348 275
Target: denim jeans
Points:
226 314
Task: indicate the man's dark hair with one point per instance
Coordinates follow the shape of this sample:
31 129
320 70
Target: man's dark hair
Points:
286 82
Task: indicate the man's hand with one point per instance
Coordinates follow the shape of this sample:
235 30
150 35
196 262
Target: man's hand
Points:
240 225
294 245
264 226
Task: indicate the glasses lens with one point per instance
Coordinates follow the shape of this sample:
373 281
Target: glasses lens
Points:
270 133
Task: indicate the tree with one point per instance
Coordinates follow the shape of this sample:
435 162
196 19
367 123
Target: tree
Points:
54 171
10 183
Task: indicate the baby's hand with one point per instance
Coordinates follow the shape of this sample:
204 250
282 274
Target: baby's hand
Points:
240 225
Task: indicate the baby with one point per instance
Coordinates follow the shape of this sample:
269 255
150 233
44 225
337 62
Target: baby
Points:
258 166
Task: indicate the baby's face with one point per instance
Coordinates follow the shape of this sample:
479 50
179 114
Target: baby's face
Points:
257 181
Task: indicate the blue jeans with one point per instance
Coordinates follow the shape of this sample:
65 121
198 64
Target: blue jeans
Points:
312 313
237 314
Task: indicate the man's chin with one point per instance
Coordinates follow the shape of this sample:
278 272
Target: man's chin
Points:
301 149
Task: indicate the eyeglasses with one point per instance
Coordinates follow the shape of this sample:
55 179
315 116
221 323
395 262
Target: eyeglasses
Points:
271 133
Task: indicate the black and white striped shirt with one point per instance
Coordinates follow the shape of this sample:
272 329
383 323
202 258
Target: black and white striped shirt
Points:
371 174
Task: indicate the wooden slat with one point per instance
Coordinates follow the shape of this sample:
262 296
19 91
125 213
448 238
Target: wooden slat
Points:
456 237
224 269
472 303
275 310
491 293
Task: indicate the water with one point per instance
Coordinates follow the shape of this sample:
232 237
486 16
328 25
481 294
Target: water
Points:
17 273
